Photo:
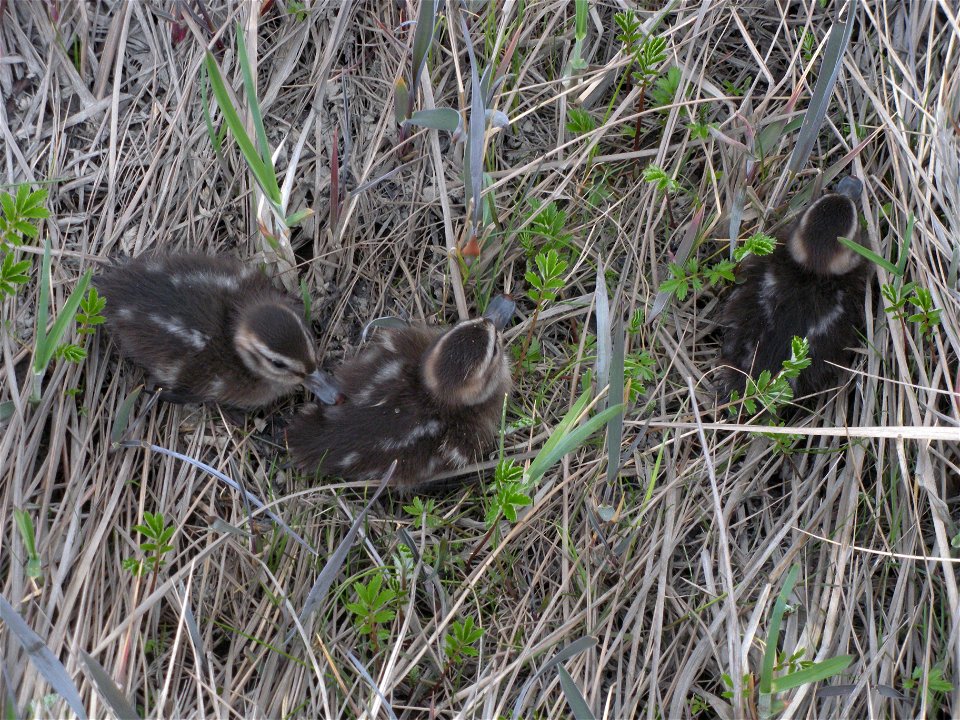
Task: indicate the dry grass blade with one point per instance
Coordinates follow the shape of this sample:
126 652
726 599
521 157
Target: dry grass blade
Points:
108 689
823 90
331 569
45 661
578 705
564 654
248 497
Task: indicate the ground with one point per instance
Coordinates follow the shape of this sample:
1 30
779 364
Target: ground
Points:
647 587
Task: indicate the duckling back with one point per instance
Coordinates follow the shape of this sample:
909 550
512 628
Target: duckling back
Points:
178 316
393 412
811 286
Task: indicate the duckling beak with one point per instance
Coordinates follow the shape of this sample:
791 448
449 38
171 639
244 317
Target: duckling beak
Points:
851 187
324 387
500 311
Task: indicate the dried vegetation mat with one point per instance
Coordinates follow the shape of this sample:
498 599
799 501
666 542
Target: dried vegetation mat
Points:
660 558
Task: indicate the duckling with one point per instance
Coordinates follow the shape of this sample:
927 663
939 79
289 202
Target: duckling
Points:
209 329
428 397
811 286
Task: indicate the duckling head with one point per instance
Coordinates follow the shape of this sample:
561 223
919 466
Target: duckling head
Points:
813 241
467 366
273 343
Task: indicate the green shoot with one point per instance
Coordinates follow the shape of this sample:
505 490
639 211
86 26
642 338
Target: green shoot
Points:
47 343
509 492
20 215
423 513
774 391
458 644
933 684
28 536
656 175
927 317
756 244
800 672
548 280
19 218
577 62
13 273
155 548
372 609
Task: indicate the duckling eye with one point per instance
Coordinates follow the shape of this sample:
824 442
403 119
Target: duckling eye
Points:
279 364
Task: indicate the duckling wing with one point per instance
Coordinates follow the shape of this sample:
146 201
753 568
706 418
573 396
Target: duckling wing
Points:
360 442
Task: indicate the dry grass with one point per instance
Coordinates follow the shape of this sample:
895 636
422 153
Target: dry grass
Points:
677 589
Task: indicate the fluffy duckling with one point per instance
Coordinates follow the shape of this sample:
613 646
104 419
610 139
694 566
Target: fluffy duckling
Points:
811 286
209 329
428 397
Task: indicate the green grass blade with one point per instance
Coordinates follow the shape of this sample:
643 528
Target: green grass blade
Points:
566 422
571 650
823 90
437 119
422 39
576 701
42 658
43 305
813 673
265 176
604 332
111 694
44 353
250 90
568 442
122 420
615 427
871 256
207 117
773 633
905 249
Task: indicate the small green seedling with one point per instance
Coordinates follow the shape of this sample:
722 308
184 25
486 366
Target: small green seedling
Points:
459 642
933 684
423 513
509 492
373 608
47 342
20 216
156 547
756 244
28 536
657 176
772 392
546 283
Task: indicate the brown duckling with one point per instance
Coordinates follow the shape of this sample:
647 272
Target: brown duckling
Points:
429 397
811 286
209 329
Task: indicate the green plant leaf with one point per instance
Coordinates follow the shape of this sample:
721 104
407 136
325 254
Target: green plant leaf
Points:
437 119
773 633
250 90
265 176
811 674
567 442
871 256
823 90
578 705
